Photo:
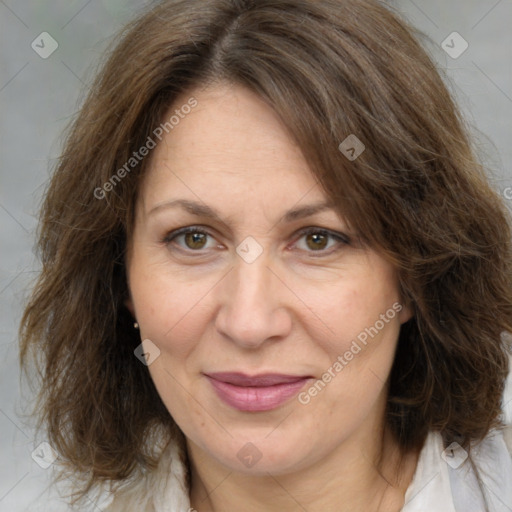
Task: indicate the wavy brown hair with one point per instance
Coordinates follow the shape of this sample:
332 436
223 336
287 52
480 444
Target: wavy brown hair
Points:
417 194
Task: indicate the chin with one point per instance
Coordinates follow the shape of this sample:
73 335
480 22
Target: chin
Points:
259 455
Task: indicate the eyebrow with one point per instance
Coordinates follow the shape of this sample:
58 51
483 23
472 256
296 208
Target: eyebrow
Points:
203 210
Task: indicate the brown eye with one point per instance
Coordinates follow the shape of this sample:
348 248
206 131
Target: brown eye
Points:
192 239
321 241
316 241
195 240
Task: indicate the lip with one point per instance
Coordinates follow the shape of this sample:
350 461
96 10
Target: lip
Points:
262 392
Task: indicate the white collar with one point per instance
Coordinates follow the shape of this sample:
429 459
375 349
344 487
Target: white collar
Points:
435 487
447 484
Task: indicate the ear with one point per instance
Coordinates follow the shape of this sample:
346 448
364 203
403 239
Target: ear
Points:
406 313
129 305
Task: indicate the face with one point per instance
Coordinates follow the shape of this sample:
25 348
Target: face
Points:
271 324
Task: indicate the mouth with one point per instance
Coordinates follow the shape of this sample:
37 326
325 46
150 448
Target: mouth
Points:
262 392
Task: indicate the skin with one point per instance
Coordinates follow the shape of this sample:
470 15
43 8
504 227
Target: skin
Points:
293 310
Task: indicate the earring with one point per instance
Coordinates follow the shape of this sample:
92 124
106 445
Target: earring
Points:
136 325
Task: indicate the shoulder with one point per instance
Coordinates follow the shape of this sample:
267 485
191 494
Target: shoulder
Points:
447 481
444 480
162 490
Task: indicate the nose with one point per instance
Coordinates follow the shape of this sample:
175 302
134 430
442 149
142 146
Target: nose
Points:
253 308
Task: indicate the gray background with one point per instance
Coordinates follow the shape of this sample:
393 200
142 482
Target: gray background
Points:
38 98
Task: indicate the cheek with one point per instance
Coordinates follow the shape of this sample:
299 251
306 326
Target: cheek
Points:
170 307
171 312
360 351
363 305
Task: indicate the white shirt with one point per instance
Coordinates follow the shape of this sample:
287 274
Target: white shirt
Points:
443 481
439 484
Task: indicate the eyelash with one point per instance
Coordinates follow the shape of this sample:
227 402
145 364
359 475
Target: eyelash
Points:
341 238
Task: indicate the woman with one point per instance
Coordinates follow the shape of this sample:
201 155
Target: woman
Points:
274 274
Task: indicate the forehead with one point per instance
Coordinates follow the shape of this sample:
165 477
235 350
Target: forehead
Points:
232 144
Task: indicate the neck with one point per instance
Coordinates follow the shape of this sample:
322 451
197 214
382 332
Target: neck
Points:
350 479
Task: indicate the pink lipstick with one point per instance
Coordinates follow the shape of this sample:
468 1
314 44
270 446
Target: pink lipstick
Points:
262 392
